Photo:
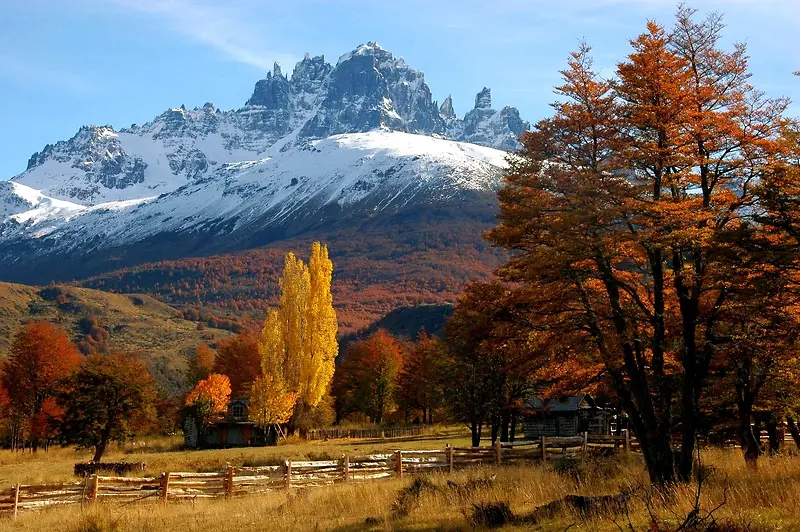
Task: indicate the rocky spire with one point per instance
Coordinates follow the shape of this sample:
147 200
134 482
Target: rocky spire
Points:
276 70
446 109
484 99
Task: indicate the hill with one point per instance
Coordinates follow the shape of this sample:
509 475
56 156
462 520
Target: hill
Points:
135 323
392 260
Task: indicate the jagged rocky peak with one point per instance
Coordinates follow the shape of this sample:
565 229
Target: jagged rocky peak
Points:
483 100
489 127
271 92
368 89
309 73
371 89
446 110
370 49
88 139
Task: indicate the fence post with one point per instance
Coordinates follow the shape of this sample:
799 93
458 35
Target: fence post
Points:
498 452
543 449
16 500
398 463
449 451
228 480
346 468
164 485
627 441
585 445
95 487
287 479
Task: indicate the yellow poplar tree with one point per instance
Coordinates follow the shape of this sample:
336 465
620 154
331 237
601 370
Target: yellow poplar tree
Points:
321 345
298 342
295 287
270 402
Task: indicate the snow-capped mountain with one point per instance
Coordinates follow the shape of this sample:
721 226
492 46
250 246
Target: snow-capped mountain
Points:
328 142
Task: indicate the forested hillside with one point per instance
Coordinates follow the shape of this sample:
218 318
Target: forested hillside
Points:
101 322
423 257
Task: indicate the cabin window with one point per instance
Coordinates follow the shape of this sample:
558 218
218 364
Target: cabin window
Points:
237 411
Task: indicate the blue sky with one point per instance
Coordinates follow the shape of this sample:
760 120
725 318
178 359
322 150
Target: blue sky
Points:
65 63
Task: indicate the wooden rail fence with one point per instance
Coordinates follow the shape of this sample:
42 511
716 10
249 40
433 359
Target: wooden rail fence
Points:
236 481
338 433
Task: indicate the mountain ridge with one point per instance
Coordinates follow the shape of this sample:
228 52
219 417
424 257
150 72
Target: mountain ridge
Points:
368 90
356 154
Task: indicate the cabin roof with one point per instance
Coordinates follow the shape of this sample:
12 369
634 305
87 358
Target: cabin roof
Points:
562 404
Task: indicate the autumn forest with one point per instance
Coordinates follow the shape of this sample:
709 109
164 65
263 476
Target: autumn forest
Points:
644 249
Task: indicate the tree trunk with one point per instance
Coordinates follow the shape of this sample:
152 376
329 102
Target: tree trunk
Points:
475 428
659 458
747 438
772 433
794 431
757 426
495 428
505 421
99 449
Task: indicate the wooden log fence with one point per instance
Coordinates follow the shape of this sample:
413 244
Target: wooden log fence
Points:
236 481
373 433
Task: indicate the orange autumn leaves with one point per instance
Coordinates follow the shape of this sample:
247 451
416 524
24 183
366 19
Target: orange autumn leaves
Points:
642 218
211 396
41 357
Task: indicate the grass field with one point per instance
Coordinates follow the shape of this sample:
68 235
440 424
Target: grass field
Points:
56 465
767 499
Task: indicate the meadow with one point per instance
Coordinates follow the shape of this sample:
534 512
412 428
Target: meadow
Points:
766 499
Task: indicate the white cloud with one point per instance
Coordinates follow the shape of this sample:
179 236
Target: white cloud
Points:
222 26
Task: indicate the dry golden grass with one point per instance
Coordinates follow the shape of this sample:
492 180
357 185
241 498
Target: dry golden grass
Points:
56 465
768 499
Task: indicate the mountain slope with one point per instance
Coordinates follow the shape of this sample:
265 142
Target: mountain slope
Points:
367 90
135 323
198 205
337 181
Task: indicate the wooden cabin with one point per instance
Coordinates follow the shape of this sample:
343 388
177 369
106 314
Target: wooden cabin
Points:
234 429
565 416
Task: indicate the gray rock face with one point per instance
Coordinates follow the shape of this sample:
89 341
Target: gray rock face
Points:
489 127
371 89
368 89
98 153
483 100
446 111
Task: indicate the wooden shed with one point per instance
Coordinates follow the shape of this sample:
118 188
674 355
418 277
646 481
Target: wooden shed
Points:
234 429
565 416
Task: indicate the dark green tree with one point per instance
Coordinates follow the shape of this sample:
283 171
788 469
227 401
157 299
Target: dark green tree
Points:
108 399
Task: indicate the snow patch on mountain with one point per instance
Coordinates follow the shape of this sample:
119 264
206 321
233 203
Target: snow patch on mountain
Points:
354 139
377 170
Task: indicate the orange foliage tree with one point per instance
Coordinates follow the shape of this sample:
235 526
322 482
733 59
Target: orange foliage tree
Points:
625 211
366 380
40 356
419 383
210 397
200 364
110 398
238 358
491 358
